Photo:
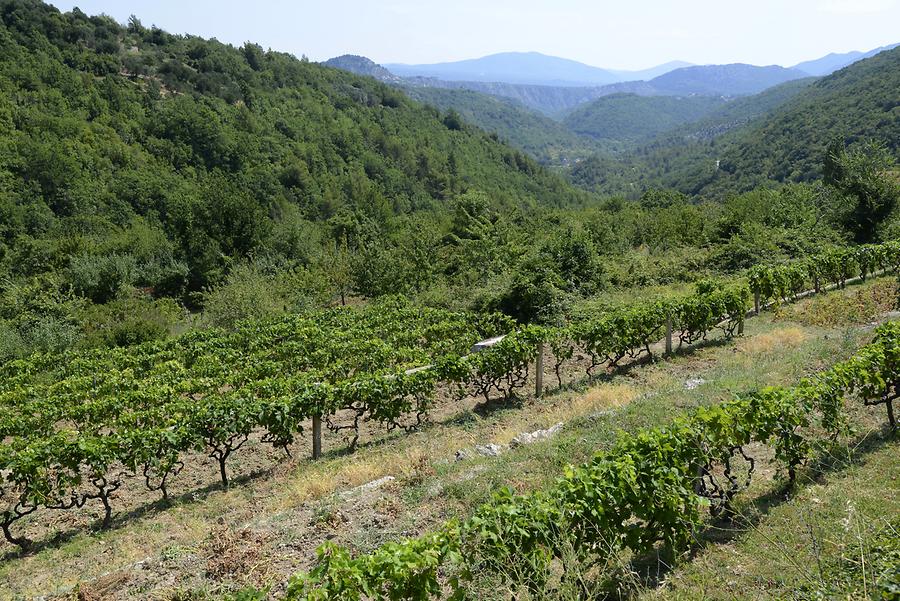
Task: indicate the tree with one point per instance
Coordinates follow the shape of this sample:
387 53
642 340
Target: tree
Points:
860 176
655 198
534 296
453 121
571 255
135 26
337 263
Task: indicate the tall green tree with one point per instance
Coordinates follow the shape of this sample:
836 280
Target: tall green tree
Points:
861 177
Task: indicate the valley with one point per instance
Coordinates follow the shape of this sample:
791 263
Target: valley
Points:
509 327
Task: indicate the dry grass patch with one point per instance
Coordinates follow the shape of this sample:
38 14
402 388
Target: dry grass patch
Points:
788 337
412 463
237 555
597 398
314 482
855 306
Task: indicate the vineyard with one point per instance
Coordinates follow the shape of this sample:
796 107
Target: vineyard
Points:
652 487
76 426
278 326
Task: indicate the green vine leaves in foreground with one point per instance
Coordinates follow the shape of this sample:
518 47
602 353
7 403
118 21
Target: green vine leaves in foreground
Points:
649 488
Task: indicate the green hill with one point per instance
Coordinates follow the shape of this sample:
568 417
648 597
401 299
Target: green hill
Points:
780 135
541 137
856 103
740 111
184 154
628 117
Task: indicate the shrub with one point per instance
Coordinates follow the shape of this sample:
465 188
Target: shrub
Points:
101 278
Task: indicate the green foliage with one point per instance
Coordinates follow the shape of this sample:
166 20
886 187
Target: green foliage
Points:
194 156
543 138
101 279
782 135
629 117
650 488
834 267
145 405
129 321
859 176
572 256
535 295
258 291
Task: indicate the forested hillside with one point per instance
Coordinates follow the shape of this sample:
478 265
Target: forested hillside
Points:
543 138
191 153
857 103
151 183
741 111
779 136
628 117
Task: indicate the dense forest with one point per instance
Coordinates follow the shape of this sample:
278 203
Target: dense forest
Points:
778 136
628 117
152 183
130 157
547 140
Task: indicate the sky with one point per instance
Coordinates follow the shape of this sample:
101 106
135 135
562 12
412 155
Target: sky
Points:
615 34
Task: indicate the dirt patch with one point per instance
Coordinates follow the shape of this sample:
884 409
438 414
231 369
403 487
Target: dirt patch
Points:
237 555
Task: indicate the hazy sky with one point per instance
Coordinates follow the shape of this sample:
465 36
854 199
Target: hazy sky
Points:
617 34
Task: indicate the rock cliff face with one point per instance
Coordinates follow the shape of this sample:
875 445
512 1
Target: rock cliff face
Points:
362 66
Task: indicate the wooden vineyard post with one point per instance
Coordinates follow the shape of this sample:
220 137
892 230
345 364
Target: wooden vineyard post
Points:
756 302
317 437
539 371
668 335
741 326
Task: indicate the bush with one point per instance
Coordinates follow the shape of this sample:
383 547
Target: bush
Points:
259 290
572 256
128 321
101 278
50 334
535 295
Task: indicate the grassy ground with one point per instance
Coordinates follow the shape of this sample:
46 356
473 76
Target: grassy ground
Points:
838 538
268 526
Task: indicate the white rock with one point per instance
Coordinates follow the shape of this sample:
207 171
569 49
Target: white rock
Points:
532 437
693 383
369 486
489 450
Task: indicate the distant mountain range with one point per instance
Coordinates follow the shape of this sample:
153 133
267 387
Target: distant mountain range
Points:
832 62
529 68
723 80
564 124
557 101
555 86
534 68
780 135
